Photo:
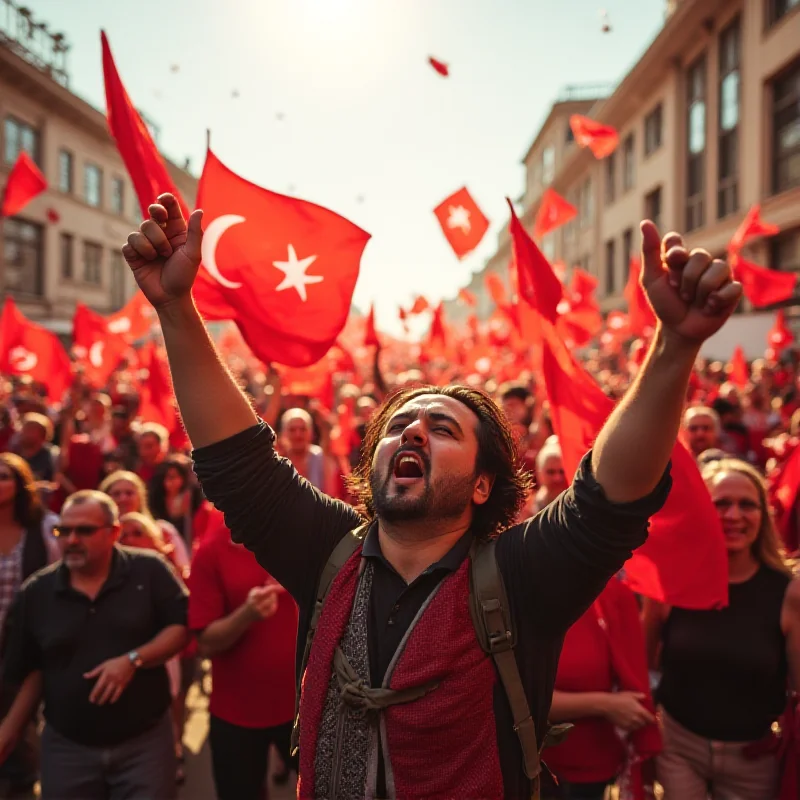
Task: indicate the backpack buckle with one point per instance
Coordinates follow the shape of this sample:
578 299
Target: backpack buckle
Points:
500 641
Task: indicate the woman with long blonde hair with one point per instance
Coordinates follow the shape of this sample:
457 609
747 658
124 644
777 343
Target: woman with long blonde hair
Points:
725 672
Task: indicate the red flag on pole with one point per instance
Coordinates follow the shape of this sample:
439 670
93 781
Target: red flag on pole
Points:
762 286
601 139
740 372
462 222
370 334
554 211
97 350
751 228
25 181
641 317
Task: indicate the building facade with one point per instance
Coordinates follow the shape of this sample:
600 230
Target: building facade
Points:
65 245
709 124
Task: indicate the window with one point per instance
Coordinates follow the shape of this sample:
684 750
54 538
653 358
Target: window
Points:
628 163
67 247
611 267
652 130
786 130
548 165
118 196
611 170
92 263
118 270
570 137
652 207
728 166
20 136
696 139
23 251
627 248
785 251
586 204
93 185
778 9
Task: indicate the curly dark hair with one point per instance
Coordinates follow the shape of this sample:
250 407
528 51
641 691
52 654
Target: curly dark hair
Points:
28 510
497 456
157 494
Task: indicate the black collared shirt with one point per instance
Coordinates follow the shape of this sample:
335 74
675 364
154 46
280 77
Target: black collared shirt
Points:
63 633
553 565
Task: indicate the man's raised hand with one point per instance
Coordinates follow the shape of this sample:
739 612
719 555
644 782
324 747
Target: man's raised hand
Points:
164 254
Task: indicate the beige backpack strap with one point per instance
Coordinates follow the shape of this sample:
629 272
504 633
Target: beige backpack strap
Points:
491 617
337 559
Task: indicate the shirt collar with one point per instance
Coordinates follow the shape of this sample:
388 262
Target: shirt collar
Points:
120 567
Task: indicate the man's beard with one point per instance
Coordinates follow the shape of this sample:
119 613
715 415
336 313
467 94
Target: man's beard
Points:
445 498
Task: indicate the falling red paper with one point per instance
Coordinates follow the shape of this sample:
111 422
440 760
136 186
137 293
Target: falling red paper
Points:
601 139
462 222
684 560
97 350
25 181
370 334
442 68
740 372
554 211
29 349
641 317
762 286
286 268
538 284
751 228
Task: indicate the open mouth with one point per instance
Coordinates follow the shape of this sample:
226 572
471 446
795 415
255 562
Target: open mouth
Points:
408 467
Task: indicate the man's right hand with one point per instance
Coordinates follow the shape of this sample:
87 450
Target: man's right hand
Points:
625 710
164 254
262 601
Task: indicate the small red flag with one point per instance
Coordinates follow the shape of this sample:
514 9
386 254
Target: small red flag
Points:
641 317
762 286
97 350
442 68
462 222
420 305
467 297
538 283
25 181
438 329
30 349
370 334
740 372
554 211
751 228
780 335
601 139
785 484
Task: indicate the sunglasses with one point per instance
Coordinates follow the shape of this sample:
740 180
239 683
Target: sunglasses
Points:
64 531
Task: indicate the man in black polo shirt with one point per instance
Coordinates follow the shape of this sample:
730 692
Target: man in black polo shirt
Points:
90 635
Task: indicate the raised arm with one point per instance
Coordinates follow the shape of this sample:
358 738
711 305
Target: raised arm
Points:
164 255
692 296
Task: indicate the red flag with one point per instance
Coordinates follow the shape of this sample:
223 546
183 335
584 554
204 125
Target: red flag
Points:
29 349
134 320
442 68
641 317
156 403
582 288
25 181
740 372
554 211
370 334
538 283
785 484
467 297
684 561
751 228
286 268
463 223
780 335
438 329
96 349
762 286
601 139
420 305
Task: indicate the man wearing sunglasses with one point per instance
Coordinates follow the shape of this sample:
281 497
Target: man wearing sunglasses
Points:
90 636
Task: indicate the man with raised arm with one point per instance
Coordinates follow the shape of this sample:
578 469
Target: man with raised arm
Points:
439 471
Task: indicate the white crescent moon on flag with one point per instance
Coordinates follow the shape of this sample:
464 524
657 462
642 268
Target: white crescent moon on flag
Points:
211 238
96 354
23 359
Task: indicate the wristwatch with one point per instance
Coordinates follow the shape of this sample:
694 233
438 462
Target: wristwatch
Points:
135 659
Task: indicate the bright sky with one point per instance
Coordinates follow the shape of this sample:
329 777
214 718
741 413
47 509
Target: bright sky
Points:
368 129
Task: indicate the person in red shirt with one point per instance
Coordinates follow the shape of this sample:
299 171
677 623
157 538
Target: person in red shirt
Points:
246 623
153 444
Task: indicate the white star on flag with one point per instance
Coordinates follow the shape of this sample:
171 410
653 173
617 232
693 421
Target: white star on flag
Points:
459 218
295 273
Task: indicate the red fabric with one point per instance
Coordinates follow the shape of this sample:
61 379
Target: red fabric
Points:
443 745
538 284
740 372
684 560
554 211
97 351
463 223
29 349
156 398
604 650
134 320
780 335
762 286
601 139
641 317
420 305
442 68
579 318
84 470
370 334
784 486
438 330
253 681
751 228
286 314
25 181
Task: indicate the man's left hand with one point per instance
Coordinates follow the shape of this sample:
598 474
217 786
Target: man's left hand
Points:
112 678
692 293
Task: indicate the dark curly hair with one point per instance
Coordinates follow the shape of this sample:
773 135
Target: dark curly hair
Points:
28 510
497 456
